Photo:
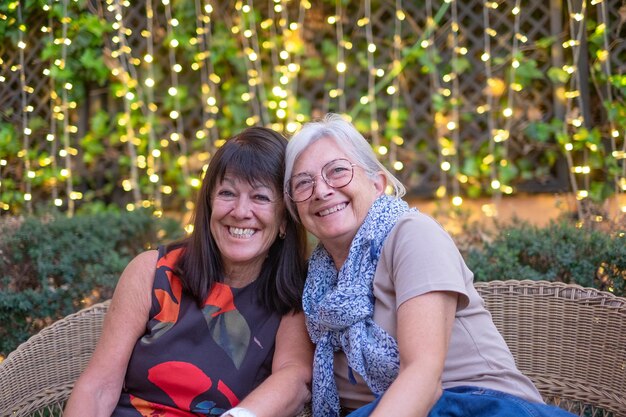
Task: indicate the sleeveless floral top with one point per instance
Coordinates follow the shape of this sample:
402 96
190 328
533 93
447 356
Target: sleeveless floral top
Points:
197 361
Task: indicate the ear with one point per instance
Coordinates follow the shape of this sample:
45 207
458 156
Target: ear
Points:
282 230
380 183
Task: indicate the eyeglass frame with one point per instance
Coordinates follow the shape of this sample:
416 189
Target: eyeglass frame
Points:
314 179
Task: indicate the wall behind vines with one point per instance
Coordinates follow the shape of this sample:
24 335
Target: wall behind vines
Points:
123 103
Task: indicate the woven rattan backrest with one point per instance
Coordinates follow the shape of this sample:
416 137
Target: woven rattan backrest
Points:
36 378
571 341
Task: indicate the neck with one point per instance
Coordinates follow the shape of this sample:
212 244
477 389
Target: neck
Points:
238 282
238 276
339 253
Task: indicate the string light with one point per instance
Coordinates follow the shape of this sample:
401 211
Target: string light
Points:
455 103
295 66
577 28
67 172
443 143
371 75
24 96
490 96
255 57
3 162
154 152
51 137
341 60
394 122
288 67
605 64
499 136
128 78
208 88
280 70
175 115
257 96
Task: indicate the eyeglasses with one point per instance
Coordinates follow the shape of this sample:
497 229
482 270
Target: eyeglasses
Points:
337 174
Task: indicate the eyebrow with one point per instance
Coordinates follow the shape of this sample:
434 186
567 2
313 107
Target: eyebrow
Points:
302 173
325 163
232 179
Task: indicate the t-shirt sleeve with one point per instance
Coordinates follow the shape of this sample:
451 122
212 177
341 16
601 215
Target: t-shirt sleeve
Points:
421 257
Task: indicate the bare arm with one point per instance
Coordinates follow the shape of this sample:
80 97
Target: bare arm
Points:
285 392
98 389
424 329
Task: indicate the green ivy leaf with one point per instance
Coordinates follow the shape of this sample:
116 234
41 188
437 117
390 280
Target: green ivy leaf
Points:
558 75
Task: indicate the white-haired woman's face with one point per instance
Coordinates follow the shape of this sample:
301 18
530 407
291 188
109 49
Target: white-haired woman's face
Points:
334 215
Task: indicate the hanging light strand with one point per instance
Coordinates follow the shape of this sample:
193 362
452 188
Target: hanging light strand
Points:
150 109
209 79
254 78
341 60
128 79
304 5
54 108
500 137
614 133
66 152
490 102
257 64
25 91
289 66
508 111
177 135
372 72
394 89
201 56
436 90
3 162
280 62
251 95
574 104
456 103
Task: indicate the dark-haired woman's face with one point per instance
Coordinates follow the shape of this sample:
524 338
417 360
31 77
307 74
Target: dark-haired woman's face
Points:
245 220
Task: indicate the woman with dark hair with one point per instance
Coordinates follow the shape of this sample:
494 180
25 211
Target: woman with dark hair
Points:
211 325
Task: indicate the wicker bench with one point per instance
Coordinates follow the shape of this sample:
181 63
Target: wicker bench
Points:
571 341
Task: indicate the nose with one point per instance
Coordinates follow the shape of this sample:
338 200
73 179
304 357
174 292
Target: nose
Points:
242 208
321 190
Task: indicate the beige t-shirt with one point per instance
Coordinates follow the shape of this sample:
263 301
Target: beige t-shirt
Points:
419 257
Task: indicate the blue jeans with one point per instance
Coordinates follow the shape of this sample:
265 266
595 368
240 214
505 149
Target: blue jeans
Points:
479 402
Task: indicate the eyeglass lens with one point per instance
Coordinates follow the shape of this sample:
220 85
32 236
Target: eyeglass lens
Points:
337 173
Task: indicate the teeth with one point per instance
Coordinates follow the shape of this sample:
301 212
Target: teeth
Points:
239 232
332 209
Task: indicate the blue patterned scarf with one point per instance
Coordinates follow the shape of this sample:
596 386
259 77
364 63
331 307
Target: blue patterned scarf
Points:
339 308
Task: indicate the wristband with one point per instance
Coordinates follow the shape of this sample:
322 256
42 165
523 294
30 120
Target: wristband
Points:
238 412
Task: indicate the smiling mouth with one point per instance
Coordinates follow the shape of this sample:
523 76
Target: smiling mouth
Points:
332 210
241 233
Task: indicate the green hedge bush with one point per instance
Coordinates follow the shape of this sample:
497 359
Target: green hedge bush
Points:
51 265
591 256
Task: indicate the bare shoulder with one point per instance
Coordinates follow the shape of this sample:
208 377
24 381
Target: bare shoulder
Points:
145 261
135 284
141 267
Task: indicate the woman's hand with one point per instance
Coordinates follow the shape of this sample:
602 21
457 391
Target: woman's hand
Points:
284 393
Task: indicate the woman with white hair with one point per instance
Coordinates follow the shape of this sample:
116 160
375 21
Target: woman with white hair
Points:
389 302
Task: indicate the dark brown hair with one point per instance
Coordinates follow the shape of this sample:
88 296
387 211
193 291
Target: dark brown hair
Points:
256 155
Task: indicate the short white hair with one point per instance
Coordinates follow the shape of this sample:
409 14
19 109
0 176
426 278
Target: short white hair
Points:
345 135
